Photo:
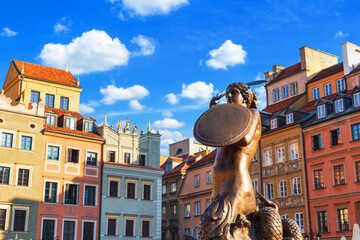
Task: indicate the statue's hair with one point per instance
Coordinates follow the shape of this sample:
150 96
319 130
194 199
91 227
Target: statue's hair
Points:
248 94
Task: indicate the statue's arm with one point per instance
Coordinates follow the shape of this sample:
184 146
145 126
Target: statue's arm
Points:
254 127
215 100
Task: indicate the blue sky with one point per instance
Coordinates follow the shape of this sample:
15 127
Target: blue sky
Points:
162 60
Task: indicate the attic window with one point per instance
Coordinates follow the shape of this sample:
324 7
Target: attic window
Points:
179 151
50 119
339 105
289 118
168 167
321 111
273 123
88 126
357 99
70 123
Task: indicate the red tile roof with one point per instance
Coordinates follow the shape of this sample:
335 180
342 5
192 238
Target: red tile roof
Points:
281 105
328 72
46 73
357 69
135 166
182 166
287 72
61 112
208 158
311 105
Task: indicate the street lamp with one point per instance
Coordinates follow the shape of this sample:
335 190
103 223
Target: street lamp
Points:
306 236
318 236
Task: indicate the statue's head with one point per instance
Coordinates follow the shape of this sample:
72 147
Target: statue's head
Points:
241 94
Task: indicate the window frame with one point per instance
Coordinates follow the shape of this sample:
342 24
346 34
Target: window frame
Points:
296 186
47 152
187 213
145 219
321 180
77 193
150 183
57 191
316 145
285 91
96 194
72 123
130 218
42 226
118 181
97 158
339 105
301 221
276 95
24 167
283 189
337 138
113 217
127 181
6 133
32 144
10 166
321 111
294 153
340 228
171 187
68 155
342 181
7 216
197 180
63 101
316 93
208 177
50 116
83 228
197 208
47 98
340 82
26 223
267 158
356 99
321 221
273 123
280 154
63 226
357 125
271 193
89 123
34 97
109 153
289 118
294 88
125 157
327 89
357 170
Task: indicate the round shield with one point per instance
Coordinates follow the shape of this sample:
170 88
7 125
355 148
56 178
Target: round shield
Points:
223 125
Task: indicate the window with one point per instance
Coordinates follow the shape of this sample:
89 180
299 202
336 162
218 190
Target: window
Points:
283 188
69 230
328 90
267 157
145 228
50 192
131 189
357 99
280 152
357 171
343 219
90 196
142 160
197 180
284 217
255 185
173 187
197 209
293 88
187 210
196 233
127 158
112 226
163 189
163 212
355 131
4 175
64 103
147 191
23 177
339 105
316 93
48 229
187 231
296 186
130 227
321 111
299 219
340 85
322 221
52 153
316 142
70 123
168 167
285 91
318 179
173 211
273 123
26 143
91 158
50 120
6 139
34 97
289 118
88 230
207 203
89 126
2 219
73 155
339 175
269 190
49 100
208 177
335 138
19 220
294 151
255 158
276 96
111 156
114 188
71 193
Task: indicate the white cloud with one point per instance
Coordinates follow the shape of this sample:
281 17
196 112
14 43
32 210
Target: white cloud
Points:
168 123
8 33
172 98
228 54
85 108
92 52
261 96
167 114
152 7
198 91
113 94
340 34
135 105
146 44
169 137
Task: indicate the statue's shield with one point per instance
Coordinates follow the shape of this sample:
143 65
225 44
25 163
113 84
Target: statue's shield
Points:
223 125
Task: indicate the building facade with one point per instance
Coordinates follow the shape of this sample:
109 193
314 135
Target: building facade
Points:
187 147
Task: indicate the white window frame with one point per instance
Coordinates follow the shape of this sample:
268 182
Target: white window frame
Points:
89 122
13 144
57 191
171 187
7 217
82 228
289 118
116 217
321 111
208 177
30 168
300 221
72 123
285 91
282 189
294 151
296 186
11 172
284 217
276 95
128 217
114 179
96 194
63 225
280 154
21 134
327 89
255 183
294 90
340 82
357 99
97 158
42 224
339 105
52 145
195 232
187 212
197 208
67 155
197 180
78 193
50 115
316 93
27 209
271 194
273 123
143 183
267 158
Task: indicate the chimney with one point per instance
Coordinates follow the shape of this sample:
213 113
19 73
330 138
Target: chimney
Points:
269 76
351 56
277 68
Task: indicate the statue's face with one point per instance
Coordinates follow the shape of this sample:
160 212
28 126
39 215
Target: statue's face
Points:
234 96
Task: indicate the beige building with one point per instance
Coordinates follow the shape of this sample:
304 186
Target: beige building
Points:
186 147
20 165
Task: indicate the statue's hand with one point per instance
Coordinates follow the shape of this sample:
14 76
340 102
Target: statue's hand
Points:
215 100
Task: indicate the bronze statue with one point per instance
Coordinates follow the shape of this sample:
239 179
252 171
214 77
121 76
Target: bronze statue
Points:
233 213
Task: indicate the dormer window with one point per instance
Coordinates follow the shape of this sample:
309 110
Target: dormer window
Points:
168 167
357 99
339 105
340 84
50 119
88 126
70 123
289 118
273 123
321 111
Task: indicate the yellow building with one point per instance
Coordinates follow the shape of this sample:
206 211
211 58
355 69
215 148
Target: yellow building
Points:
28 82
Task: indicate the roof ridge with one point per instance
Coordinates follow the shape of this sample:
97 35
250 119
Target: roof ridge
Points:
40 65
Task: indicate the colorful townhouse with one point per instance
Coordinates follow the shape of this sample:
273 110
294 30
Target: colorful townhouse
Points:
71 159
131 183
20 165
